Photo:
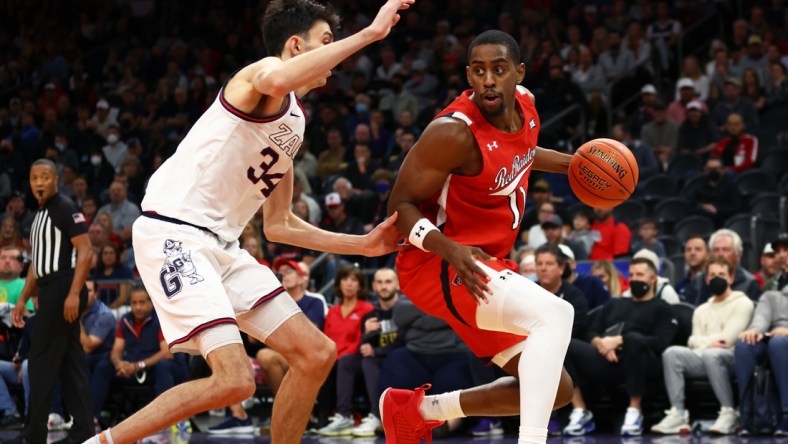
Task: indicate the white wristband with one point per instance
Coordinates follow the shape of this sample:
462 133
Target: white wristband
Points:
419 232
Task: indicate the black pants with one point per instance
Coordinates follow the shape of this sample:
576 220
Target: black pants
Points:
637 365
55 353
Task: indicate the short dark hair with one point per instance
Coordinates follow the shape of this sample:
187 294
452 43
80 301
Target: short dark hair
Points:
285 18
495 37
560 258
643 260
46 162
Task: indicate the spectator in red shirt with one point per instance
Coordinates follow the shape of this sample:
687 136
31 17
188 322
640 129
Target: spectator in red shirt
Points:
738 151
616 236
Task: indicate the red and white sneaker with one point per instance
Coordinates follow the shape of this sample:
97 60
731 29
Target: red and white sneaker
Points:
402 420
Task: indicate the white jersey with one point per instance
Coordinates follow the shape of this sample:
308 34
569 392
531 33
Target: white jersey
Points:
226 166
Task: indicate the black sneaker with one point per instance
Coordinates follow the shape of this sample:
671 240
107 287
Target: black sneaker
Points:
11 422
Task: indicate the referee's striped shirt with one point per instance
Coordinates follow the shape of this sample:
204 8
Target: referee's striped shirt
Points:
54 225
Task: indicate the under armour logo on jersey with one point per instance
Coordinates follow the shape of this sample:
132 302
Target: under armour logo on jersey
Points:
421 230
505 275
532 123
491 146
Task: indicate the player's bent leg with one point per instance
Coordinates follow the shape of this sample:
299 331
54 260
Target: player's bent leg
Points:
231 381
310 356
273 366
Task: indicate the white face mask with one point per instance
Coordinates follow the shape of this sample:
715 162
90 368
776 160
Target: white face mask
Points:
95 160
112 139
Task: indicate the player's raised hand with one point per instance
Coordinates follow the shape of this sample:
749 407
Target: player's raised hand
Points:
463 258
383 239
387 17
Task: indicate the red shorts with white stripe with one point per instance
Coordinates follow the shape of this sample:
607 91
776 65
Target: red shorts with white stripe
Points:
433 286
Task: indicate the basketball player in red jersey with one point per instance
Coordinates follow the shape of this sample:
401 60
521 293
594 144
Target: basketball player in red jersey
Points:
468 175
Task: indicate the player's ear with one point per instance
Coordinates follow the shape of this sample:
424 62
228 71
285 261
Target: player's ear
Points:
520 73
295 45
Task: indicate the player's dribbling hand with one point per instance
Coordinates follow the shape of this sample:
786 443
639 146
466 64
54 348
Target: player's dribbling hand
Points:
463 258
383 239
387 17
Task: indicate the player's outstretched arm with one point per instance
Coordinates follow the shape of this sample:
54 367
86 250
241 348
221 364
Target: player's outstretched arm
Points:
276 78
446 147
281 225
551 161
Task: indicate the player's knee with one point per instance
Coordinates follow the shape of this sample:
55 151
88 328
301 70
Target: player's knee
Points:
560 313
322 357
235 388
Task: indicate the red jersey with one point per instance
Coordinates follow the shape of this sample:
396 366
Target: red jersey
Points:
486 210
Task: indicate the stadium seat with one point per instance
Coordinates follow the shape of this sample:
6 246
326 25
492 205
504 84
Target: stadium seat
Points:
766 204
765 230
692 184
668 270
775 162
782 187
656 187
685 166
693 225
669 210
679 264
754 181
672 244
741 224
630 212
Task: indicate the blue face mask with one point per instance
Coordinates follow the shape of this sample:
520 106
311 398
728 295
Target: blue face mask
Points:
532 277
382 187
362 108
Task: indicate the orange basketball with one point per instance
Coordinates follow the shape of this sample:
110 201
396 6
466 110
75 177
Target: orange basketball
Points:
603 173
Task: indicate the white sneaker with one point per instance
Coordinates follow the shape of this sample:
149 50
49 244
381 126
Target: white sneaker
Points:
580 422
726 423
633 423
217 412
367 427
338 425
675 421
56 422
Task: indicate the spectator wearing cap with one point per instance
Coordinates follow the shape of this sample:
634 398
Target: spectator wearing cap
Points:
663 289
421 83
645 113
104 118
339 221
697 135
677 111
644 155
662 134
738 151
553 227
734 102
692 71
780 280
593 288
754 57
770 266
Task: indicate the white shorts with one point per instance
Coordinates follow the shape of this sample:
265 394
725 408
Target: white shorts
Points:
197 281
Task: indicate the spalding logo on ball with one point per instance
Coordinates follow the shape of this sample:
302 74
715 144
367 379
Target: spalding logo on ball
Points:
603 173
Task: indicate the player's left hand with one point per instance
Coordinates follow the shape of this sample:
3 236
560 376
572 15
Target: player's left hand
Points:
71 307
383 239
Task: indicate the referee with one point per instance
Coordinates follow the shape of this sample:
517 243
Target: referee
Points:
58 232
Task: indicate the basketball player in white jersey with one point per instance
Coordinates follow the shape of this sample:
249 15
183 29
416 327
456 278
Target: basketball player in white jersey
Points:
237 157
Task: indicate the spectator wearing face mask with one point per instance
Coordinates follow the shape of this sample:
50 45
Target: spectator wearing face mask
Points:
716 325
717 198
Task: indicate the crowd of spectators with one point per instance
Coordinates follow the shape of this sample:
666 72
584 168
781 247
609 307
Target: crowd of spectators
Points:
107 90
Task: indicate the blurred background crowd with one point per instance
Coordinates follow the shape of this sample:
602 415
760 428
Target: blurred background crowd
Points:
696 89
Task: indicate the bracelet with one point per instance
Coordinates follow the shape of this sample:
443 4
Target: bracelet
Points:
141 365
419 232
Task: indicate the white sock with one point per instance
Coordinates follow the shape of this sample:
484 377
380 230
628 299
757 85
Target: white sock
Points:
441 407
532 435
107 439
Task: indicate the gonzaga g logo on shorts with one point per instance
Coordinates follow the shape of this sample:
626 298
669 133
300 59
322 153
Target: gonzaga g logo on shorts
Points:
177 264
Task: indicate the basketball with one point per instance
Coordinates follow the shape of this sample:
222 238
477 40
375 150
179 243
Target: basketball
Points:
603 173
